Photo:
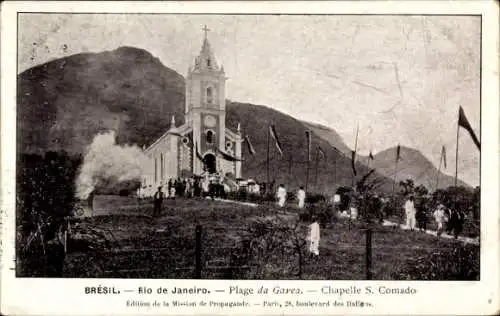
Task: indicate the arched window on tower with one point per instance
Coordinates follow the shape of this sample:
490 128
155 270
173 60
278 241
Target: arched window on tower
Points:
209 95
208 62
210 137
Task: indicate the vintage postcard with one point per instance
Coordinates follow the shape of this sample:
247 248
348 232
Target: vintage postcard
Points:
250 158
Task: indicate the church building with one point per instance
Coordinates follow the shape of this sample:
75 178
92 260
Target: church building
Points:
203 146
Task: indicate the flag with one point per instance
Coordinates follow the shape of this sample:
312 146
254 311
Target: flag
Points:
272 130
321 152
353 160
227 156
249 145
308 136
462 121
370 155
443 156
398 151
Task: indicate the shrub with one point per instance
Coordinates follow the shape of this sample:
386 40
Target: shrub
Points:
274 248
313 198
45 198
324 212
461 262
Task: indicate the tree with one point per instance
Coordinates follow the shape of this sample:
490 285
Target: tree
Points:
407 186
421 190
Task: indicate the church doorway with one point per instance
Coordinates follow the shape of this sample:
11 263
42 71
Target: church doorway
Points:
210 163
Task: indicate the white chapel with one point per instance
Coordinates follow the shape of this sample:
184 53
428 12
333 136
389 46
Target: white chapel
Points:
203 146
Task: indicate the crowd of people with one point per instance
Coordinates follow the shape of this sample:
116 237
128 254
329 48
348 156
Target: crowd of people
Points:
448 219
371 207
376 207
187 187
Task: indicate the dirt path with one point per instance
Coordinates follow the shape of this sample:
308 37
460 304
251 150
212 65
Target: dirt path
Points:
467 240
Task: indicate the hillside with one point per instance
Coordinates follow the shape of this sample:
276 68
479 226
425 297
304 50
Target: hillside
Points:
329 135
412 165
62 104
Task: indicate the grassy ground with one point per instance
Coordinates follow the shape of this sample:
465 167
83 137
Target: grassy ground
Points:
169 241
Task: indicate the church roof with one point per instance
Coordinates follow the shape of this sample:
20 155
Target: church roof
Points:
206 59
173 131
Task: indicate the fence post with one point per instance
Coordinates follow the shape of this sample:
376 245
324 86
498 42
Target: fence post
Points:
368 254
197 262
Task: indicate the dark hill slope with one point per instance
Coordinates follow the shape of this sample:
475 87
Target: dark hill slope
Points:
62 104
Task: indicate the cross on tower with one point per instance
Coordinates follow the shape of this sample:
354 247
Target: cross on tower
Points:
205 29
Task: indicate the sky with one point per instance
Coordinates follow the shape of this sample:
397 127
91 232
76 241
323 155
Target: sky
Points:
401 78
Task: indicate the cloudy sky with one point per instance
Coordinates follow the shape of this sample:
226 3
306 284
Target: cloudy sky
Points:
401 78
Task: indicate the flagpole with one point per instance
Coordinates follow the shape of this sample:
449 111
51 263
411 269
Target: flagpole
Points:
394 181
317 162
355 151
335 170
307 174
308 134
439 171
267 160
456 157
395 173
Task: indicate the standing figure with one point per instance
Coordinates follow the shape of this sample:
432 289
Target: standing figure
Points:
301 196
169 187
211 190
353 207
158 199
456 221
281 195
421 216
440 218
410 213
189 188
173 191
197 188
314 236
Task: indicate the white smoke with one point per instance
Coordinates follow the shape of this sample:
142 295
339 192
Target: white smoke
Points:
105 162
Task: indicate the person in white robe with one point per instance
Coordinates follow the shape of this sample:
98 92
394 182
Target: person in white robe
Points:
410 213
353 208
440 218
301 197
204 186
172 192
314 236
256 189
281 195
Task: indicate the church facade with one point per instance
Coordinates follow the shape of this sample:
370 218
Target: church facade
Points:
203 146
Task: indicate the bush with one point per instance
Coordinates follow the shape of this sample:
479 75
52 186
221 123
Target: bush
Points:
324 212
458 263
313 198
244 196
45 198
273 248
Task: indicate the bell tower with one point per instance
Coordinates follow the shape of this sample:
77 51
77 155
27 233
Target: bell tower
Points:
205 109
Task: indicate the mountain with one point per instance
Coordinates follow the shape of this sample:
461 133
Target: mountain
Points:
412 165
64 103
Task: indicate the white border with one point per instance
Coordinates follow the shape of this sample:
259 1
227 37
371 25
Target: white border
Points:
64 296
